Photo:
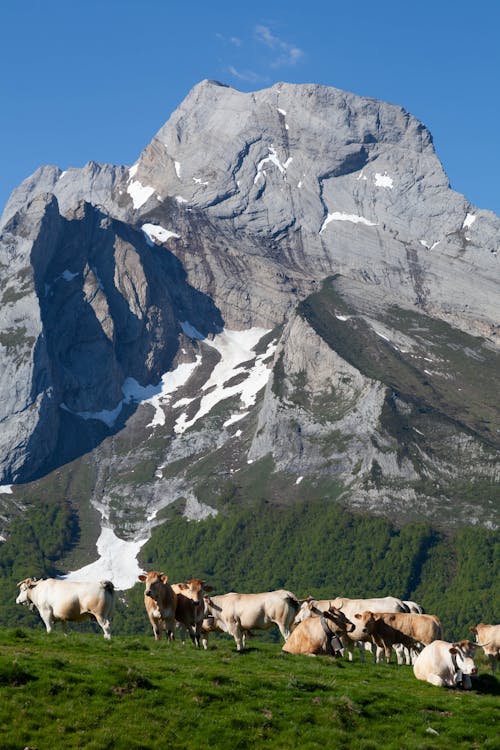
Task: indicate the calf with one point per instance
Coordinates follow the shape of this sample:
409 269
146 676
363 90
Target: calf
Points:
319 635
160 601
69 601
488 638
190 608
387 629
446 664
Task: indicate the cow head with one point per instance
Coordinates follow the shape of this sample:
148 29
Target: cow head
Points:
306 610
340 620
25 588
364 626
195 589
153 583
462 654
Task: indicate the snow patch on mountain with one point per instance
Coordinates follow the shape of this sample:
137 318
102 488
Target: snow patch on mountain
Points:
117 561
340 216
235 348
157 232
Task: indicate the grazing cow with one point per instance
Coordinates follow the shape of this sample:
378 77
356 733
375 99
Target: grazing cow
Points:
160 601
387 629
319 635
236 613
190 609
69 601
446 664
488 638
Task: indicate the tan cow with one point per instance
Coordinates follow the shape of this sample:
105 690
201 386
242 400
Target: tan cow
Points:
69 601
350 607
319 635
446 664
190 608
236 614
488 638
160 602
386 629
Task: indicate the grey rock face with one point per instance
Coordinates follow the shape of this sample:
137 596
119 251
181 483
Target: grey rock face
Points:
233 216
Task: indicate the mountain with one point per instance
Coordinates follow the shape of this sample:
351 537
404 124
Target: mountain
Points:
281 298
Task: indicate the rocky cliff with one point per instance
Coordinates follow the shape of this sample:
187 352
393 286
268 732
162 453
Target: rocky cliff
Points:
283 295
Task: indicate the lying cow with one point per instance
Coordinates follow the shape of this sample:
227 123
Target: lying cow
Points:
190 608
488 638
319 635
69 601
160 601
446 664
386 629
239 613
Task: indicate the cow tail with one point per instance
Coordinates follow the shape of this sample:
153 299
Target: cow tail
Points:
108 586
293 602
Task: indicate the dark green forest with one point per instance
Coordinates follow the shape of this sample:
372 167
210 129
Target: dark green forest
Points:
315 548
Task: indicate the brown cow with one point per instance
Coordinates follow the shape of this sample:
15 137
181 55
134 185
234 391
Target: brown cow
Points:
319 635
160 601
488 638
190 608
386 629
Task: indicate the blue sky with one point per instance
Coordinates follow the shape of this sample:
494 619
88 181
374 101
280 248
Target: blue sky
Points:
96 79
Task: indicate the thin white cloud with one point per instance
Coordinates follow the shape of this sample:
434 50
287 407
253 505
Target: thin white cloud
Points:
288 54
250 76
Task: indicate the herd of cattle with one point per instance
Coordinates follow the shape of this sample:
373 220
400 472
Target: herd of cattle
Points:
308 626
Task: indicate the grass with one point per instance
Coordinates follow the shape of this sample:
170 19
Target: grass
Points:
82 692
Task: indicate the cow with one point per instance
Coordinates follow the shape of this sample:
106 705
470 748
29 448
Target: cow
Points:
488 638
236 614
446 664
387 629
190 608
414 607
319 635
350 607
69 601
160 601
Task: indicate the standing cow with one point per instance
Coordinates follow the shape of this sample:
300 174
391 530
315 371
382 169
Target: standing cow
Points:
239 613
190 608
446 664
386 629
488 638
69 601
160 602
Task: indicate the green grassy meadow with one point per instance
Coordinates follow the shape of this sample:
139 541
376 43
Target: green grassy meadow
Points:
83 692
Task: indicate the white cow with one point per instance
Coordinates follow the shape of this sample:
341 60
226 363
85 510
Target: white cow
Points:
239 613
350 607
69 601
446 664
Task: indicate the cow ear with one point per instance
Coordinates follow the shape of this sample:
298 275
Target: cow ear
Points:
183 586
164 578
473 630
208 588
453 650
142 577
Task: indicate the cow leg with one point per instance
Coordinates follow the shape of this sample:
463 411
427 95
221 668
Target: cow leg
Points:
48 619
105 626
235 630
493 662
